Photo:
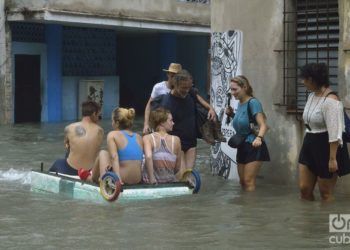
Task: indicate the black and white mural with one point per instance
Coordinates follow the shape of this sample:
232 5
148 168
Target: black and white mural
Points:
226 62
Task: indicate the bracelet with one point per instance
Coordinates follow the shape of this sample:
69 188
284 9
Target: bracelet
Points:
261 137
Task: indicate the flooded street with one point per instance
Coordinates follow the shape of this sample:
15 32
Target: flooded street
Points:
221 216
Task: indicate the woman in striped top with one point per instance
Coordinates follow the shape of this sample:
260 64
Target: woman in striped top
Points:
162 151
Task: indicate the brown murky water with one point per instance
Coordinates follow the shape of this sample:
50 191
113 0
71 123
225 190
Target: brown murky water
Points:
221 216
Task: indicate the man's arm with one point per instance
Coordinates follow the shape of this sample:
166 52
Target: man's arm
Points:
146 128
211 111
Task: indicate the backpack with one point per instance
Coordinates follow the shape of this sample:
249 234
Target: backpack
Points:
346 134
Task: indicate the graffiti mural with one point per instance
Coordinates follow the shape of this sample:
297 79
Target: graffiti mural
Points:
226 62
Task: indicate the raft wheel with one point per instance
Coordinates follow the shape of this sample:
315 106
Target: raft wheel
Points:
193 178
110 186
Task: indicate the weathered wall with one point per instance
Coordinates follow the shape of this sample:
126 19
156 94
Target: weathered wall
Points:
262 27
151 10
344 70
5 69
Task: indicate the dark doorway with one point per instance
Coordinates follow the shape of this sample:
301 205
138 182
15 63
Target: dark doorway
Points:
27 88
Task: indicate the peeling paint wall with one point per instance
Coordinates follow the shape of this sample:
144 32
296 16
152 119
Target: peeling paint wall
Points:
344 71
152 10
5 69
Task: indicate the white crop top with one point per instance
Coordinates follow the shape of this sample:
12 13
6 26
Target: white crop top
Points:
324 114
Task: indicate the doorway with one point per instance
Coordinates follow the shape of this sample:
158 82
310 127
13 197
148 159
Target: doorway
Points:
27 88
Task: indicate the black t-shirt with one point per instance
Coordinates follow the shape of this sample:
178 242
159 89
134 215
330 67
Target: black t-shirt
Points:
183 112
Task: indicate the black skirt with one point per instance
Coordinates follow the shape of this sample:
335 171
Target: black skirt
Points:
315 155
247 153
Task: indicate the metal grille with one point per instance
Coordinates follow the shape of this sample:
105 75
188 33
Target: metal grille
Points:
88 52
196 1
28 32
311 34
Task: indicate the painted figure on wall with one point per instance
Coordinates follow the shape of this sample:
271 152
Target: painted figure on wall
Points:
226 61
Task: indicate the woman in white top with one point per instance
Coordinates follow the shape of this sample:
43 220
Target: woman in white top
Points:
323 156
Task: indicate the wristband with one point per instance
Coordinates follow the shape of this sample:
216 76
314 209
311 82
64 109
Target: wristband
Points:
261 137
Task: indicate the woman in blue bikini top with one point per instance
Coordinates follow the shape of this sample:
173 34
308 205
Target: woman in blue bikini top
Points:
125 147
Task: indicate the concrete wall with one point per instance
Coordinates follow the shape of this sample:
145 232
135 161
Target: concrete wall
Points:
344 71
151 10
6 105
263 33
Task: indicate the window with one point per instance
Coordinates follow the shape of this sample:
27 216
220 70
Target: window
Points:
196 1
311 34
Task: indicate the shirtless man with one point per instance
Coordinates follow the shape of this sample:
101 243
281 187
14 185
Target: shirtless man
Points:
83 141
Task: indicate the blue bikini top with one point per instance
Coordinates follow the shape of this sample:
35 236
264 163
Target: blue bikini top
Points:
132 150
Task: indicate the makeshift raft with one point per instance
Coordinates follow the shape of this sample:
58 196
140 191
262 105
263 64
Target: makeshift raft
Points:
76 189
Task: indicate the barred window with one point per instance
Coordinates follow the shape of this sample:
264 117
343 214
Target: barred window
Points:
311 34
196 1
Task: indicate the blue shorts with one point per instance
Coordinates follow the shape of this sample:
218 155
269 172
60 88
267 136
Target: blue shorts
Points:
62 166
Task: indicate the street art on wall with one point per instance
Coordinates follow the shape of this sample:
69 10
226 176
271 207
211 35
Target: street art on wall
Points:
226 62
90 90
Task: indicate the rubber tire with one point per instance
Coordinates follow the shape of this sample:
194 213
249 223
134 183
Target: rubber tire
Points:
118 185
196 177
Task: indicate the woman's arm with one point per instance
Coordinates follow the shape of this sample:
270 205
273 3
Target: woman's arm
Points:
113 152
333 112
148 150
260 119
177 151
332 164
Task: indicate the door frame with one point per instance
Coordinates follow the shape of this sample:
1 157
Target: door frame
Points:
31 49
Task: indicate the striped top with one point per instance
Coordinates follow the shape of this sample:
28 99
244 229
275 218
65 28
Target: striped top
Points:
164 160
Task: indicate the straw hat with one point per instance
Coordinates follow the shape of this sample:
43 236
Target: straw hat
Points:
174 68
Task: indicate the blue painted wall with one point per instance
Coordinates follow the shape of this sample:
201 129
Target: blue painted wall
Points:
70 96
53 35
88 54
129 64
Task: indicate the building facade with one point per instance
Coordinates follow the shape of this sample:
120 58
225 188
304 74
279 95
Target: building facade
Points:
277 38
55 54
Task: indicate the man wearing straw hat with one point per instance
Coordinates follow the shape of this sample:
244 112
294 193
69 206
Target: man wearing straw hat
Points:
160 88
165 87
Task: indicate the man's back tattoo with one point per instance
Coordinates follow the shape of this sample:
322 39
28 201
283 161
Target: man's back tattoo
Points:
80 131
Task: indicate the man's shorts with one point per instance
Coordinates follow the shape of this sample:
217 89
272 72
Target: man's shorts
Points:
62 166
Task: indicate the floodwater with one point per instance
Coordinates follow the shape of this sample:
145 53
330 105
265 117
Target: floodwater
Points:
221 216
